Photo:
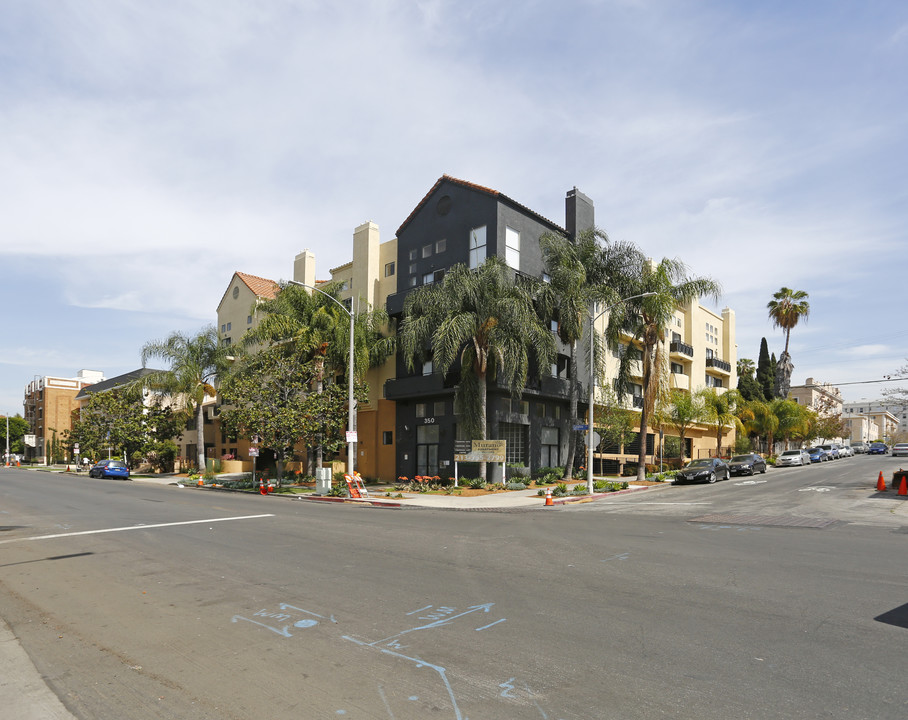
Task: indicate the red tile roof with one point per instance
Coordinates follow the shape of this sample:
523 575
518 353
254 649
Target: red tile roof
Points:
262 287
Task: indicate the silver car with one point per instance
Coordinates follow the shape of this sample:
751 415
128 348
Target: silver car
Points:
793 457
899 449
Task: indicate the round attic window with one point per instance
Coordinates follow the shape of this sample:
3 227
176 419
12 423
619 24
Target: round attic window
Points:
236 292
444 205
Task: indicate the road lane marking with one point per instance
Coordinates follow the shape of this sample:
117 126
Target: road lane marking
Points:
134 527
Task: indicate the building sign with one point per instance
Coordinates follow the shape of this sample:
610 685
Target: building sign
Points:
29 440
481 451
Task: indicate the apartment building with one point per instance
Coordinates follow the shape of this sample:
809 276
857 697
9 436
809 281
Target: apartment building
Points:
49 403
889 412
824 398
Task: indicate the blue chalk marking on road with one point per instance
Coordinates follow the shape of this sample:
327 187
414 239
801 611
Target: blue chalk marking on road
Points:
508 686
285 606
307 623
384 699
484 627
280 631
420 610
622 556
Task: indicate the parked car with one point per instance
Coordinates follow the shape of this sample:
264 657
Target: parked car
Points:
109 469
833 450
818 454
846 451
899 449
749 464
878 449
859 447
793 457
707 470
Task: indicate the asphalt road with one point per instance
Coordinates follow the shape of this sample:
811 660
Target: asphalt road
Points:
219 605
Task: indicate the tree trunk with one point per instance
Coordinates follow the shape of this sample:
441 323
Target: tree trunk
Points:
483 426
200 432
641 456
572 435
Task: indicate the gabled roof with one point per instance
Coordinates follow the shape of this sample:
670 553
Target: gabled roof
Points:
260 287
478 188
114 382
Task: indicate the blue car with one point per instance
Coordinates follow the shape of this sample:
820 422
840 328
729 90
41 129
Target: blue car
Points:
109 469
877 449
818 454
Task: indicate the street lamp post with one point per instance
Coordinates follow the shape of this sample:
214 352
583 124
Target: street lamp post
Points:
589 437
351 402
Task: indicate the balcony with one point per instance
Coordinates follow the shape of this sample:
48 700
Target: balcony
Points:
415 386
718 365
677 348
395 303
680 381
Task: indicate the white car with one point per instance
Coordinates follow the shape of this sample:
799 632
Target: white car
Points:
846 451
793 457
900 449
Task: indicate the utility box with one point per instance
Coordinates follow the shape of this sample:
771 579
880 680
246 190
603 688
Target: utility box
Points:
323 481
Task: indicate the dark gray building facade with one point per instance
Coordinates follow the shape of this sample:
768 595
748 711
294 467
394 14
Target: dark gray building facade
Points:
460 222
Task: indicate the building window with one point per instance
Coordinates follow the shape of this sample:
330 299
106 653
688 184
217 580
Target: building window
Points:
549 442
426 251
427 449
348 303
421 410
226 342
412 281
427 367
677 368
439 408
387 437
228 327
512 248
389 269
477 247
414 254
428 278
249 319
441 245
516 437
236 292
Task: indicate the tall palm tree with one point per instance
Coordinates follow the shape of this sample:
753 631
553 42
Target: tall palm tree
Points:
314 328
648 318
720 411
746 367
785 310
196 362
488 322
581 272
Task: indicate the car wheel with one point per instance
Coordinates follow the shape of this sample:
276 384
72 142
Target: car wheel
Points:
711 478
763 470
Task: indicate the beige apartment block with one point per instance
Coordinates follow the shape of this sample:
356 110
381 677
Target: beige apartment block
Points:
888 424
699 350
824 398
365 283
49 404
860 428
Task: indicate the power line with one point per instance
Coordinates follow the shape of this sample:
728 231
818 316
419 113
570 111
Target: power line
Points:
867 382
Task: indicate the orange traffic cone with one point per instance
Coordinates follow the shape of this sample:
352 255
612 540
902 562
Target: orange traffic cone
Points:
903 488
548 498
880 483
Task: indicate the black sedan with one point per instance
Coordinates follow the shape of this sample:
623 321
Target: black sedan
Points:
749 464
708 470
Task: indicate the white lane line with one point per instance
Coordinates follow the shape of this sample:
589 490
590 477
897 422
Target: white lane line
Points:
673 503
134 527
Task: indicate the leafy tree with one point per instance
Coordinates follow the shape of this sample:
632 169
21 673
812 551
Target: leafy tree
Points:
614 423
196 362
793 419
648 318
748 386
582 272
786 309
719 411
111 421
487 321
898 394
759 421
683 411
18 427
766 372
269 394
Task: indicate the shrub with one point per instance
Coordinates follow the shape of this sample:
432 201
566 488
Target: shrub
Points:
516 486
546 470
579 490
478 483
560 489
338 491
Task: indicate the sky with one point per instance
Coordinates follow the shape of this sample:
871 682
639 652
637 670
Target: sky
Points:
150 150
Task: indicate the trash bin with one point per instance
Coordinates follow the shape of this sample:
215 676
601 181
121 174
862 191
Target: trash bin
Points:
322 481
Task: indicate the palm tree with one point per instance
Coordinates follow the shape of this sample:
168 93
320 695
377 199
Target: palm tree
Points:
648 318
720 411
196 362
683 411
794 420
785 310
488 322
314 328
581 272
746 367
758 419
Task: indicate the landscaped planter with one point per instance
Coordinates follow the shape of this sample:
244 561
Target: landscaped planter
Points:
236 466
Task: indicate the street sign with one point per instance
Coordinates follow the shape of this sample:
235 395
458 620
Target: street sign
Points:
253 452
351 436
484 451
596 439
30 440
581 427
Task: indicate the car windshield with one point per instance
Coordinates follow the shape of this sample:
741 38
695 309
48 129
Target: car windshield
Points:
116 464
742 458
792 452
699 463
815 450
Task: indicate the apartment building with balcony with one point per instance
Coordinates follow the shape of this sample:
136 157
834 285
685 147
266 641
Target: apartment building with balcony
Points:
886 412
49 403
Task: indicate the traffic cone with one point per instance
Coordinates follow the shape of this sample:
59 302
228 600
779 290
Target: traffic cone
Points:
903 488
548 498
880 483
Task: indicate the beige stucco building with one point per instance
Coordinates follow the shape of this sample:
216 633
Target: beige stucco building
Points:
49 403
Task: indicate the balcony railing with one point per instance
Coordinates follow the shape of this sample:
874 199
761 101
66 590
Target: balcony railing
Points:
717 364
638 401
680 348
415 386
